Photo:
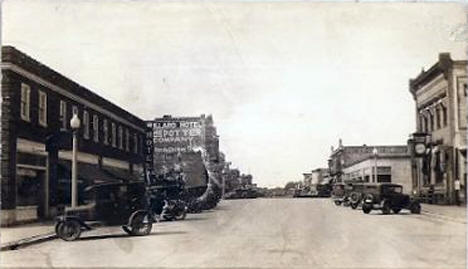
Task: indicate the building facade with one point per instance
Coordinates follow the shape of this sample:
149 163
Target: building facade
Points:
440 95
180 140
37 105
394 168
353 162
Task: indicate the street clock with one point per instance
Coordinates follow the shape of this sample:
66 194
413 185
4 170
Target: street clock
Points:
420 148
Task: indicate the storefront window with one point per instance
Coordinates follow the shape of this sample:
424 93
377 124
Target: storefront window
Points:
28 187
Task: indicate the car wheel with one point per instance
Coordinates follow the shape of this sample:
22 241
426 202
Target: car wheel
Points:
415 208
366 208
386 208
354 205
68 230
396 210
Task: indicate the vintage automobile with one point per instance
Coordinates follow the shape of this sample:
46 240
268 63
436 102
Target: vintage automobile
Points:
389 197
106 204
338 193
356 194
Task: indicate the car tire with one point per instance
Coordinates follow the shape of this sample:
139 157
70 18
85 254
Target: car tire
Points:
386 208
396 210
415 208
366 208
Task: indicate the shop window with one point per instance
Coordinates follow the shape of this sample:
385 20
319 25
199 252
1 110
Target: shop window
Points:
127 140
465 90
384 178
74 110
135 143
28 187
42 109
25 101
114 135
120 137
438 169
96 128
63 115
86 124
106 132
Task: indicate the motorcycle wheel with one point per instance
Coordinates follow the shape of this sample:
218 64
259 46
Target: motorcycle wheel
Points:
140 224
68 230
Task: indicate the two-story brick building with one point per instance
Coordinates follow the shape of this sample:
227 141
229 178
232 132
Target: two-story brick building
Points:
37 105
440 95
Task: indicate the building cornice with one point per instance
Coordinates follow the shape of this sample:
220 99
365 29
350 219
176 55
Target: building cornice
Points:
19 70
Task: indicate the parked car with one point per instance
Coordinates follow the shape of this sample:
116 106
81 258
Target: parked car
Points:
389 197
106 203
338 193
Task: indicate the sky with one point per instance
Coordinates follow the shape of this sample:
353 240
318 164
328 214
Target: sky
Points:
283 80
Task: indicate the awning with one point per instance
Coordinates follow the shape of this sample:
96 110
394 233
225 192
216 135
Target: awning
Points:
120 173
88 172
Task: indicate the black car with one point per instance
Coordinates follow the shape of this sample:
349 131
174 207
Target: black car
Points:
389 197
106 203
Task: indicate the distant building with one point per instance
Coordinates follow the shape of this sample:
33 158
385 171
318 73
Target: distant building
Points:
320 176
307 181
440 95
181 140
358 163
37 106
392 166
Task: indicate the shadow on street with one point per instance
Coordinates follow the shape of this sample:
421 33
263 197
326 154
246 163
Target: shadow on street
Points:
113 236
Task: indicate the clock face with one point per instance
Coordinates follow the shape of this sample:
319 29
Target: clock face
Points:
420 148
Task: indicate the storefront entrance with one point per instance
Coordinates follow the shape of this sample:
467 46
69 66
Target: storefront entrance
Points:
30 194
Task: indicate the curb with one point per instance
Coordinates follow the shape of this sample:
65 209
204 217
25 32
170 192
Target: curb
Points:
28 241
439 216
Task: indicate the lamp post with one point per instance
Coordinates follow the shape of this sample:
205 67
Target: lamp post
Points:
75 125
375 153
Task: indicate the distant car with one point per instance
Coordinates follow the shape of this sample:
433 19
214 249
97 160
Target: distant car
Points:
338 193
389 197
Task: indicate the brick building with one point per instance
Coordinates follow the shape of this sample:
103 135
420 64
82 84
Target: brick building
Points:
37 105
179 139
440 95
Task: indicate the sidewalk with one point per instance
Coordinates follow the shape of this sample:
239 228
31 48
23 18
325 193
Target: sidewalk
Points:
13 237
447 212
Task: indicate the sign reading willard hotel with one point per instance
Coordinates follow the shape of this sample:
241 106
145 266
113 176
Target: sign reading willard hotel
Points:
179 139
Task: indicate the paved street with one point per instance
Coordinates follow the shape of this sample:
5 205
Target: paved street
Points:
266 233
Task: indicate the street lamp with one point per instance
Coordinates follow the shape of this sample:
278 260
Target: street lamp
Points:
75 125
375 153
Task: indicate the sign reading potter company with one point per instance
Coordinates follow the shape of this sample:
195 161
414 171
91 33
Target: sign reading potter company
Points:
177 135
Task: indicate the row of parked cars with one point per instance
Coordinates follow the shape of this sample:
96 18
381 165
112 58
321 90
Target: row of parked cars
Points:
387 197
